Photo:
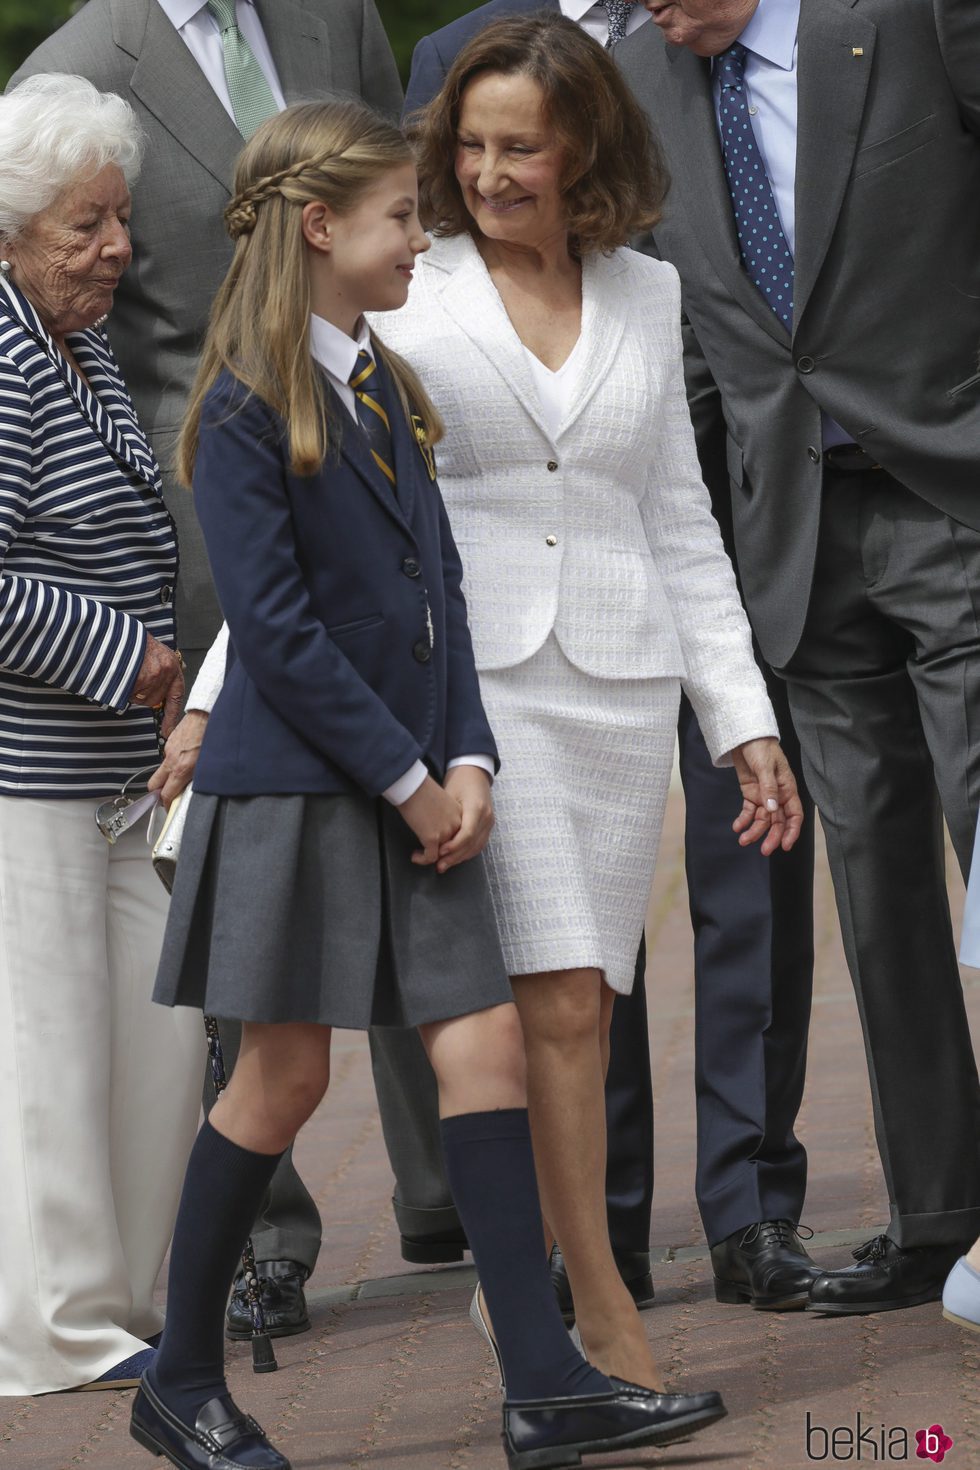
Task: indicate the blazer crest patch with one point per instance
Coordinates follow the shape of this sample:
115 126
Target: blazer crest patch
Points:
425 448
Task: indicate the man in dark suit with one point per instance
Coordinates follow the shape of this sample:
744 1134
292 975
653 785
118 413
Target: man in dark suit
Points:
753 925
167 58
825 220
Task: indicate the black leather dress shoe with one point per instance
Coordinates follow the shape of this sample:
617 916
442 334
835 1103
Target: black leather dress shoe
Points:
283 1301
634 1267
764 1265
223 1438
434 1250
546 1434
886 1277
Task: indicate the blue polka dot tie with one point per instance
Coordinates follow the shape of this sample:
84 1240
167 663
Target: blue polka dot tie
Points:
619 12
765 252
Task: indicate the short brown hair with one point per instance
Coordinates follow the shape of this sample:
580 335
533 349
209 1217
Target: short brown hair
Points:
615 176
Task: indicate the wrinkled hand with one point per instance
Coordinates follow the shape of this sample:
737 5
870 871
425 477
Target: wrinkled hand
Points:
179 757
771 805
434 816
471 787
160 683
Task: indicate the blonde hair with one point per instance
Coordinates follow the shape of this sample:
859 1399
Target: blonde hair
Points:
259 327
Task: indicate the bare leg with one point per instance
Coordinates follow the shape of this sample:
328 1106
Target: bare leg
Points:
973 1255
565 1016
478 1061
279 1079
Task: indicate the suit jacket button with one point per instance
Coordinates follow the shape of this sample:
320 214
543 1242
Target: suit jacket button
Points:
166 593
421 652
814 454
805 364
551 541
552 465
411 567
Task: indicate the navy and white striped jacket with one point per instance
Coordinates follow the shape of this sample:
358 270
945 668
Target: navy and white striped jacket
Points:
88 560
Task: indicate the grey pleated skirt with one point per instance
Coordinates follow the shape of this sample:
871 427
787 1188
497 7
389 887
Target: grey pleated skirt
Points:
309 908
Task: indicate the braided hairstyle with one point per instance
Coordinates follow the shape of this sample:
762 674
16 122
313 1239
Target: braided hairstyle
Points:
324 152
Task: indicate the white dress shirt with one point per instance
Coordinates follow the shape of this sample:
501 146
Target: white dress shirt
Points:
770 38
595 18
337 355
198 29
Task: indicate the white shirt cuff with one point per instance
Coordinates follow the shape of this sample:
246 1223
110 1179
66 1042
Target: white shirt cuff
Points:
483 762
406 785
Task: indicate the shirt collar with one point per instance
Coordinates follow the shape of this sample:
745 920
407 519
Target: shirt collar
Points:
771 33
334 350
575 9
179 12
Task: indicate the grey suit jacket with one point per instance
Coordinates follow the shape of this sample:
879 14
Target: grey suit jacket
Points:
887 300
181 251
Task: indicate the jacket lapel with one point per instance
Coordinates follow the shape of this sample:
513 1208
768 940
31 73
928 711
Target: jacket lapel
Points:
836 52
122 437
351 443
171 86
470 298
300 44
604 315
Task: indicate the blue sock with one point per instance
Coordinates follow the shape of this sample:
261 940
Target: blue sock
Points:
490 1168
223 1188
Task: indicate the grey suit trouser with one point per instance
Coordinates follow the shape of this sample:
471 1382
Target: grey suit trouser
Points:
287 1226
884 690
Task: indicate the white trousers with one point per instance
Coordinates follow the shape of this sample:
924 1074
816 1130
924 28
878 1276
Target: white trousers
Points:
100 1096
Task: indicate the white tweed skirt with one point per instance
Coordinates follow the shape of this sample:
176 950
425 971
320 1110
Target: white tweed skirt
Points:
585 771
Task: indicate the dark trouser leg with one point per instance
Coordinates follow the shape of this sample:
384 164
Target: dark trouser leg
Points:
629 1119
753 966
287 1226
885 694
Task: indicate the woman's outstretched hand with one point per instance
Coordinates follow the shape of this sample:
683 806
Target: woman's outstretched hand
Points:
771 805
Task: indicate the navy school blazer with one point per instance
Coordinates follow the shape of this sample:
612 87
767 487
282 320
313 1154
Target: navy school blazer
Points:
327 582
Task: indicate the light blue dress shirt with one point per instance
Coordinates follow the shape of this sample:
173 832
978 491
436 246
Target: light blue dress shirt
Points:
770 81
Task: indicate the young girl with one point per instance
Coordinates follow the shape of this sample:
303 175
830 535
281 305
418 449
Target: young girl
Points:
330 870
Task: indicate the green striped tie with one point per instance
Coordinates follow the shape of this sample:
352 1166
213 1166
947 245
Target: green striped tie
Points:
251 96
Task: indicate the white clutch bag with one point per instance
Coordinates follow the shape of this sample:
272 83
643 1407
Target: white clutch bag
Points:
165 847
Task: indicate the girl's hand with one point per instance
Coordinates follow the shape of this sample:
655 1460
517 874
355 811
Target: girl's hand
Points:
771 803
434 816
471 787
179 757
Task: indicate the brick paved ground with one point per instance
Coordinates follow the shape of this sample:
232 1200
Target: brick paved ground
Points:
392 1375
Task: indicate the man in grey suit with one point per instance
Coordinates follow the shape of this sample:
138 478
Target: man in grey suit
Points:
825 220
753 928
167 58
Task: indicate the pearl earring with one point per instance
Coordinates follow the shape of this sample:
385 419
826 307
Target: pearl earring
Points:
5 267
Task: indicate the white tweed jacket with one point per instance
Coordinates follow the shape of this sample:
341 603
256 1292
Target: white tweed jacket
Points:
603 534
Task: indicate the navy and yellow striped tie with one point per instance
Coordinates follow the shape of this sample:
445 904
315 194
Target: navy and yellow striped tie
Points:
371 414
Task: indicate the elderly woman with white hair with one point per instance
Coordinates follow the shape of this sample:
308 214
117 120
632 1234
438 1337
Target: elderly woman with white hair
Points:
99 1088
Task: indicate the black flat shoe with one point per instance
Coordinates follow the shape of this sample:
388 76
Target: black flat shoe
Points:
282 1297
764 1265
434 1250
634 1267
547 1434
221 1435
885 1278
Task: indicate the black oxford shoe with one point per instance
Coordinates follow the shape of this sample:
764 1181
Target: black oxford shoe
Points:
634 1267
764 1265
886 1277
547 1434
223 1438
283 1301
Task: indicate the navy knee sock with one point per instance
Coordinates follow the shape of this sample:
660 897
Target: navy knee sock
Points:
223 1187
490 1168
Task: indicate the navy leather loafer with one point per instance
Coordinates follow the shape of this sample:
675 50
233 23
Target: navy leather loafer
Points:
282 1297
547 1434
223 1438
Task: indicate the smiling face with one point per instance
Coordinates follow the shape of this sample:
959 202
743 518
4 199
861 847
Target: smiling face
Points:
70 257
509 161
362 260
707 27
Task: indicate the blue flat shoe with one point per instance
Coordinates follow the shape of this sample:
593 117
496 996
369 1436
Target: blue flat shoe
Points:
961 1296
126 1374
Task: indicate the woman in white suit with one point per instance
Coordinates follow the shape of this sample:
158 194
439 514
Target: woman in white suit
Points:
594 572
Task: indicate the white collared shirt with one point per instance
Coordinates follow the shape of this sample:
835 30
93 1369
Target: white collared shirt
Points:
197 28
595 18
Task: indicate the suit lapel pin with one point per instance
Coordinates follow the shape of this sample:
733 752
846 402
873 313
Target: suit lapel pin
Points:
857 50
422 440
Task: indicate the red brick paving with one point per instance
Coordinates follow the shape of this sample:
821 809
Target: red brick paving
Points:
398 1379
